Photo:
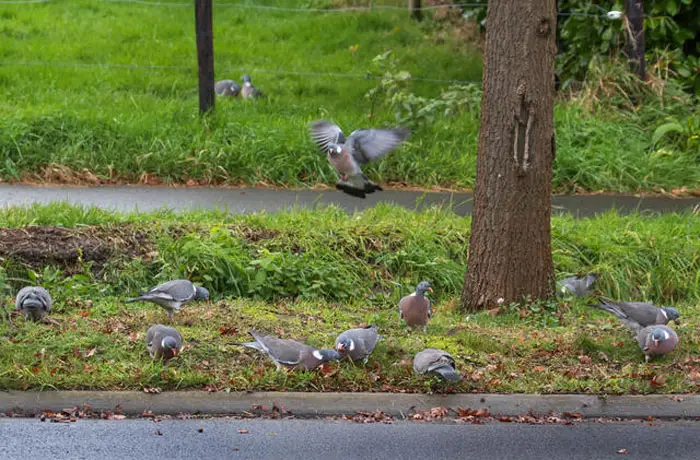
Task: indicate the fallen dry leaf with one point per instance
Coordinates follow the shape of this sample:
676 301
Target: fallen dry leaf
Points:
584 359
622 451
573 415
242 431
658 381
538 369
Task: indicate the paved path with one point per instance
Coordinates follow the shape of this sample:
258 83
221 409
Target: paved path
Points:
326 440
134 198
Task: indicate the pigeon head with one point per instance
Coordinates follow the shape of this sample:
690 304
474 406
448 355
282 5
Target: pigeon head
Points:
345 345
169 345
334 150
658 336
32 301
246 79
201 294
423 287
672 314
327 355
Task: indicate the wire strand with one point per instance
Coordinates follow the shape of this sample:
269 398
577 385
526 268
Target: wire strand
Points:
193 68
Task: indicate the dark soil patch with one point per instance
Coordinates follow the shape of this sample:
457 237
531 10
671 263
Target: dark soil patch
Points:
36 247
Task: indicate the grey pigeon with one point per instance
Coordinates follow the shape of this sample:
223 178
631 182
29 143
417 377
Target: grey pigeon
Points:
415 309
172 294
580 286
657 340
358 343
227 88
289 353
360 147
34 302
163 342
432 360
248 90
637 315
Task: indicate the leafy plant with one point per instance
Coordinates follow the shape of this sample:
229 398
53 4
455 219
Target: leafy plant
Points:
682 133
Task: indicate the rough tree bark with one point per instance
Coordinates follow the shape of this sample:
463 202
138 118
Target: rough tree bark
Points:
510 252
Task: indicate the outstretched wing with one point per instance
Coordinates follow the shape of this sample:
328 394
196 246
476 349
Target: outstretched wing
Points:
325 133
370 144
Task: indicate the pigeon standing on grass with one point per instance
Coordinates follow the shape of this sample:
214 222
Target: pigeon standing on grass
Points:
227 88
347 154
163 342
432 360
638 315
172 295
657 341
289 353
248 90
358 343
580 286
415 309
34 302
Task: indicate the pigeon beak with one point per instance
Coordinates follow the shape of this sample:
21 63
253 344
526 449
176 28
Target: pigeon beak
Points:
677 321
431 290
656 343
340 347
175 352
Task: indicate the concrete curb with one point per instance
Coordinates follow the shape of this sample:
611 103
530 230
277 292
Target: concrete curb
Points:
318 404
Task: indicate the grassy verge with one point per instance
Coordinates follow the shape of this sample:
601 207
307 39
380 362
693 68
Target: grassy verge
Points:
310 275
110 124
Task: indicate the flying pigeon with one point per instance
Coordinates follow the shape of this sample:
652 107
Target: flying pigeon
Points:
248 89
432 360
172 294
358 343
347 154
163 342
657 340
289 353
637 315
415 308
578 285
227 88
34 302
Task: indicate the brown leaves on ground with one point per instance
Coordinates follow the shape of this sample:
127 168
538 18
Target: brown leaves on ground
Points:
658 381
430 415
72 414
370 417
228 330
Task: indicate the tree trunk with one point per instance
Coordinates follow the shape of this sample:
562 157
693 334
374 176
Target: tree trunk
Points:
510 255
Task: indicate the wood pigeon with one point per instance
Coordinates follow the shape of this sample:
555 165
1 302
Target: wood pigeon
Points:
657 340
347 154
432 360
248 90
580 286
228 88
172 295
415 309
289 353
163 342
358 343
638 315
34 302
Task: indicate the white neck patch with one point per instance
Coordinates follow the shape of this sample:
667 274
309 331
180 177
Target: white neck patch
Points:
317 354
665 314
352 345
666 335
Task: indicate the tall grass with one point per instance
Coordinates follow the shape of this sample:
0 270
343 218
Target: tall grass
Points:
328 254
102 124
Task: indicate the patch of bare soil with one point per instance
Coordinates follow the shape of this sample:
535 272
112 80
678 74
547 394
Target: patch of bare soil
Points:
36 246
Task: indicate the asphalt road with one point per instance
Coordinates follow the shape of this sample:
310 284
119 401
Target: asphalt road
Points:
235 200
329 440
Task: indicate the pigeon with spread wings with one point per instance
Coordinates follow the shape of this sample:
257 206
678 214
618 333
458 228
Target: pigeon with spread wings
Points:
347 154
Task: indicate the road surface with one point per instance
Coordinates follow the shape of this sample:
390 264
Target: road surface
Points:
343 440
234 200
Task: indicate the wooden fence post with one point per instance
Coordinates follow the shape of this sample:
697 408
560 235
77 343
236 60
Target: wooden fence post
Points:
205 54
414 8
634 28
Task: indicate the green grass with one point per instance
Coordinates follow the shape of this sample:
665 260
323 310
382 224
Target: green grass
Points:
106 124
310 275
